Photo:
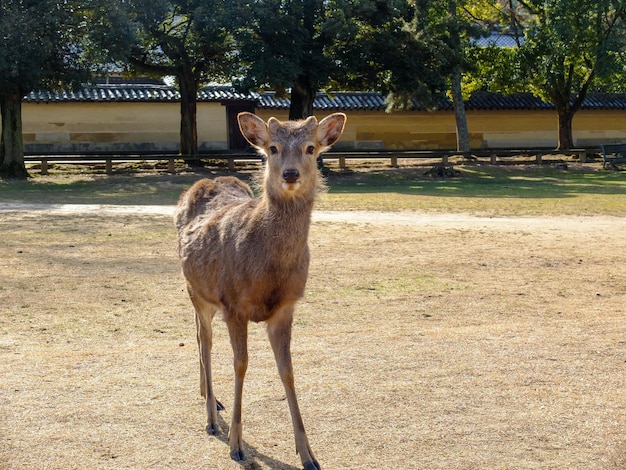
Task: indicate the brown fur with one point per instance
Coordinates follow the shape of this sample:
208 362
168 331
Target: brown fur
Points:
248 257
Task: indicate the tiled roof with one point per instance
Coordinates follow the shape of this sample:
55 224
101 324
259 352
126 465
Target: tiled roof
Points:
225 93
605 101
496 39
144 92
485 100
108 92
345 100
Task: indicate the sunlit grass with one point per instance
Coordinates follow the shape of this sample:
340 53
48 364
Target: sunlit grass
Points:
478 189
484 190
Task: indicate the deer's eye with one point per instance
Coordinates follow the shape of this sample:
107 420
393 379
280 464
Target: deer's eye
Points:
273 149
310 150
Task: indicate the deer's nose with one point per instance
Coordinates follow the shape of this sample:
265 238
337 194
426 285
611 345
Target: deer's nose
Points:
291 176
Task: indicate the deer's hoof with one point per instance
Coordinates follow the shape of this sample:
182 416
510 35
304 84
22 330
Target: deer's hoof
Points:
237 455
212 429
220 407
312 465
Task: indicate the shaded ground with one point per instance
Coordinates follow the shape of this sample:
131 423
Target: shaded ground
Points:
424 341
484 190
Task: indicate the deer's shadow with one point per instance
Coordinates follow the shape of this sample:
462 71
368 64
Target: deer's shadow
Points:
253 456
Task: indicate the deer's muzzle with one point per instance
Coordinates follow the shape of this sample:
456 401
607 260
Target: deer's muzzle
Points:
291 176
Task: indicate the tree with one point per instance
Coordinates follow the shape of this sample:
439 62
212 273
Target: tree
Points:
457 24
386 48
306 45
41 46
570 44
439 36
457 35
282 47
569 47
187 39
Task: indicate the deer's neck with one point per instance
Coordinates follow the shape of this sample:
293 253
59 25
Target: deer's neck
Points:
289 222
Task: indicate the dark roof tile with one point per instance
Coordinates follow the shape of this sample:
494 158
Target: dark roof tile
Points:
335 101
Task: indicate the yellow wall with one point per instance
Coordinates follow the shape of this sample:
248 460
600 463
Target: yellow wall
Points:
488 129
371 129
593 127
155 126
539 128
100 125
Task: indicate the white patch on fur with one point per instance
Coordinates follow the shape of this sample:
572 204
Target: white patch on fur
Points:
291 186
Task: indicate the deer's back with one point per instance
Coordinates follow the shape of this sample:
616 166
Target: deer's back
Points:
208 196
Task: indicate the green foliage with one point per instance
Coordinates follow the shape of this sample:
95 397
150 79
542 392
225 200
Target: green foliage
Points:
440 47
184 38
393 53
571 43
569 47
112 34
339 44
41 44
496 69
280 41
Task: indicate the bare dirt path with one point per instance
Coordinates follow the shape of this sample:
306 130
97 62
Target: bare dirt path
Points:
580 223
424 341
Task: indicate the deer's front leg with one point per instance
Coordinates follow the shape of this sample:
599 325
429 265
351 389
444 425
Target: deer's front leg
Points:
238 331
279 333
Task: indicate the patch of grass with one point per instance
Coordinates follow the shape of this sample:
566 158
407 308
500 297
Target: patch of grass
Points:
145 189
483 190
479 189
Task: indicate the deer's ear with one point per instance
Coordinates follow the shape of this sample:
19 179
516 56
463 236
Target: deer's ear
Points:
330 129
273 125
253 129
310 123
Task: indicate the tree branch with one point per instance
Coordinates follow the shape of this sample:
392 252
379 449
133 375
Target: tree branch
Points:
143 64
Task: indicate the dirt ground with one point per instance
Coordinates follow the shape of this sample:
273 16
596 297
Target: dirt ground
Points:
424 342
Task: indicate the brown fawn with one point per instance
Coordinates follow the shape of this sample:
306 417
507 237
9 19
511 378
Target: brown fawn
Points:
248 257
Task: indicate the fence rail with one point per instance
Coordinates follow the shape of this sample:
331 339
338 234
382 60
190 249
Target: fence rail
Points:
495 155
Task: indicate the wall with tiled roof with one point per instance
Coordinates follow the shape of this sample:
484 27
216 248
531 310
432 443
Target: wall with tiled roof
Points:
332 101
145 115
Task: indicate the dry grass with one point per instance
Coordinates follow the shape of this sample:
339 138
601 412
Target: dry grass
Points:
444 344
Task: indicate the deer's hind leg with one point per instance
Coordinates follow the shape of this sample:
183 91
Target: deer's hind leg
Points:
238 331
204 318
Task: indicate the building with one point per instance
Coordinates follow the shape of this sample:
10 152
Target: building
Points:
141 116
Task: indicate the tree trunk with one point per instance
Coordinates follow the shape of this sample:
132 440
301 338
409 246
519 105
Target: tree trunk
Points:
188 126
462 132
566 139
302 97
11 143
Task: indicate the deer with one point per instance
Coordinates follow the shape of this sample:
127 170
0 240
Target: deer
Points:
247 256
